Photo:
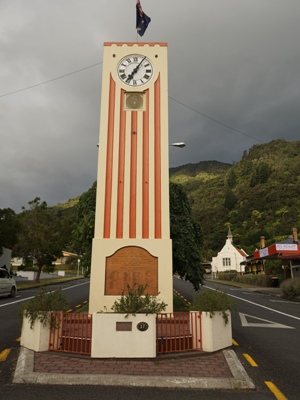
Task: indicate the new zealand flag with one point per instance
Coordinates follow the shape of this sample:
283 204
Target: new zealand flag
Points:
142 20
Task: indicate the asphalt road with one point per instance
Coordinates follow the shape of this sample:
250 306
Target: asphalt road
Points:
50 392
10 329
275 350
266 328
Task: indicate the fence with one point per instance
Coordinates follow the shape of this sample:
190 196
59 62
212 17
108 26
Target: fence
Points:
71 333
175 332
178 332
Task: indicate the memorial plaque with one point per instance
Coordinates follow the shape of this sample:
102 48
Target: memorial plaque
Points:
124 326
131 266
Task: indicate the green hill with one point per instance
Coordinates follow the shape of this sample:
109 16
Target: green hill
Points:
257 196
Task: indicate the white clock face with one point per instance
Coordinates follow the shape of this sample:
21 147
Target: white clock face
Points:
135 70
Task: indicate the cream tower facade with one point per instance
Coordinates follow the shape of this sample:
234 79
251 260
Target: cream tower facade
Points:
132 244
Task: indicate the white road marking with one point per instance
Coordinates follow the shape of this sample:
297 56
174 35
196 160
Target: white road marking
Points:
252 293
31 297
283 301
269 324
258 305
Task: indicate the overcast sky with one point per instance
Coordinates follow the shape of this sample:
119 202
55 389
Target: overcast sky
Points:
234 81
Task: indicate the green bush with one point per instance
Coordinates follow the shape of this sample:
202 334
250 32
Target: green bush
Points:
264 280
39 306
291 288
48 268
213 301
136 302
179 305
227 276
257 280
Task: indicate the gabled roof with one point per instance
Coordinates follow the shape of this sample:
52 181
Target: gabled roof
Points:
289 240
242 252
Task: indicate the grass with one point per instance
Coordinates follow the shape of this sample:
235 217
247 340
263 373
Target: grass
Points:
231 283
83 309
179 304
45 282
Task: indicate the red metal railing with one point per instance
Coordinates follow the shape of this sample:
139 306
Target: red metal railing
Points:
178 332
71 333
175 332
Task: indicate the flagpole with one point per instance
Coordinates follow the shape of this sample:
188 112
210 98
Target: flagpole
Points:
137 35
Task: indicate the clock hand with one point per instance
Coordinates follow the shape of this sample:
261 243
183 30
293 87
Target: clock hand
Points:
130 76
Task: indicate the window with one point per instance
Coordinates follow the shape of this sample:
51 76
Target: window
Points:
4 274
226 262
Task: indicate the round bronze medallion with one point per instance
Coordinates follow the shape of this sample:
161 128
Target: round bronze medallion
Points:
142 326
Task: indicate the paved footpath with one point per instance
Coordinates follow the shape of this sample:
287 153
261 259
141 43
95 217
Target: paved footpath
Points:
219 370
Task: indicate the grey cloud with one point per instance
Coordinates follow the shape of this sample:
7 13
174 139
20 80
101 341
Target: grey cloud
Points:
236 62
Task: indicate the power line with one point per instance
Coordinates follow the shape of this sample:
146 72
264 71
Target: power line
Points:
50 80
94 65
215 120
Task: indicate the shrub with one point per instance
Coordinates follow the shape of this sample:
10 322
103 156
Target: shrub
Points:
135 302
48 268
264 280
251 279
38 308
227 276
179 305
213 301
291 288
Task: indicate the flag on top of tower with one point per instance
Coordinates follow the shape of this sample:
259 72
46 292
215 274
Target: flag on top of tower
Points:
142 20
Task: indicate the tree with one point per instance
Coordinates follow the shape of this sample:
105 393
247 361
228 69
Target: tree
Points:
185 232
8 228
260 174
230 199
231 179
84 232
39 237
186 238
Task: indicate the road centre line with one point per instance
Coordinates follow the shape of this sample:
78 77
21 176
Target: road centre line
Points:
277 393
258 305
31 297
250 360
4 354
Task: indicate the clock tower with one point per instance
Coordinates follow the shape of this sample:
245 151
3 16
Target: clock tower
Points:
132 244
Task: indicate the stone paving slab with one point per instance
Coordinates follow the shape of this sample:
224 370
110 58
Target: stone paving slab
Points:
220 370
212 365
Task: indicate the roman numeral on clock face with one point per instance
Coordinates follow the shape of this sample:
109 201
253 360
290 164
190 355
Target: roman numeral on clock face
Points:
135 70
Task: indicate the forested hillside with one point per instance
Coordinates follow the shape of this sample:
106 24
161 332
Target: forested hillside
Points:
257 196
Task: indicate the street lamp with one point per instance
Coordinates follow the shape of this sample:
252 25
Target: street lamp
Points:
78 263
177 144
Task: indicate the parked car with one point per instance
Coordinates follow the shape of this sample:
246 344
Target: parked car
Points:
8 285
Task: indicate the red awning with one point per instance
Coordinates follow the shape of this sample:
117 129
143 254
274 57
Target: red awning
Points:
278 250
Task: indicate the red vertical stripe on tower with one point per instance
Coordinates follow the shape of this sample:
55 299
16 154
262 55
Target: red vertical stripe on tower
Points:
133 176
121 170
145 184
157 161
109 159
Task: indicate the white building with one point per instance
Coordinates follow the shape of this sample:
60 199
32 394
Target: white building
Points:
5 258
229 258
